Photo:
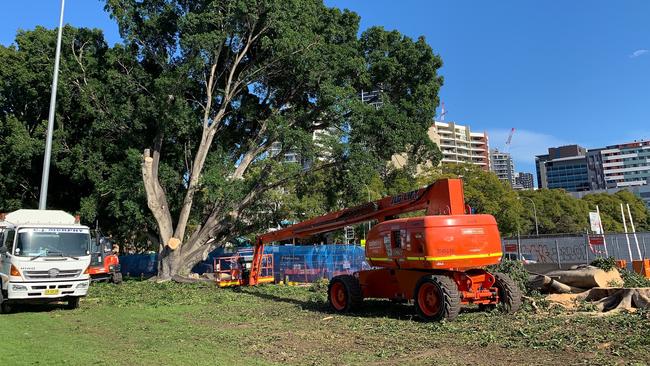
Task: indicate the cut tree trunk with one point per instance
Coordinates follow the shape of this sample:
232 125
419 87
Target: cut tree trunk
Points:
587 277
607 300
546 284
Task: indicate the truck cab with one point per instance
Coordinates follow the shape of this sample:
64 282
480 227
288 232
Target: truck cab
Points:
44 257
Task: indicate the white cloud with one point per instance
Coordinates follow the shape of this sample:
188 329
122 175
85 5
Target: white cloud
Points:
525 145
638 53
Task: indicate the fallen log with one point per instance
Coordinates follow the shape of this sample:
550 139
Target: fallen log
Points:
546 284
586 277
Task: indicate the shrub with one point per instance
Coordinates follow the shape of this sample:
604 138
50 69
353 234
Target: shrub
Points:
515 269
633 279
606 264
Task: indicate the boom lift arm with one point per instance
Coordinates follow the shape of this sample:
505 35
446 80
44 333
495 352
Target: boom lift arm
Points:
444 197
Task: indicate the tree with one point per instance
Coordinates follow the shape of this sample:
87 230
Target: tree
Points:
610 210
92 156
229 80
557 211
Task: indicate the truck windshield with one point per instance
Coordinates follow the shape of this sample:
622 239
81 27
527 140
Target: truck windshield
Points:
52 243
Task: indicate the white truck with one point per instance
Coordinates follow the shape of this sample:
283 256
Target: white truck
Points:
44 257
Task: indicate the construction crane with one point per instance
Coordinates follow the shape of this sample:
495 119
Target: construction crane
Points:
437 259
509 140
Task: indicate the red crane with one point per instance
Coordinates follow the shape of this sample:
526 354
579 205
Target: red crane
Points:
437 259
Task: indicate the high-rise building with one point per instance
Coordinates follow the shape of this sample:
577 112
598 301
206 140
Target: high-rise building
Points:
459 144
609 169
502 165
524 180
563 167
626 165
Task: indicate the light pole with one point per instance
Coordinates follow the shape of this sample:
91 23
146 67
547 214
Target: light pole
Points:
42 200
534 212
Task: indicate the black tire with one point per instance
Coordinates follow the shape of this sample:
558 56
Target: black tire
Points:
5 308
353 297
509 293
448 298
116 278
73 303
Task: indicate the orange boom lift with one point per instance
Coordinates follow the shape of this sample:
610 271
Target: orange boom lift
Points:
436 260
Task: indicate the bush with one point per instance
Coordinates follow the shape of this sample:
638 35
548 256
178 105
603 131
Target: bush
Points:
633 279
514 269
606 264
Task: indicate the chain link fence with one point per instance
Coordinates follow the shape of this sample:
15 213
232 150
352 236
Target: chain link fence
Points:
548 252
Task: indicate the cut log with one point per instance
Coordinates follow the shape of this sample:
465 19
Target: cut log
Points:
546 284
587 277
608 300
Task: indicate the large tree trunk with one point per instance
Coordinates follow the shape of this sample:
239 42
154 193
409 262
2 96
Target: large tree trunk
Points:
587 277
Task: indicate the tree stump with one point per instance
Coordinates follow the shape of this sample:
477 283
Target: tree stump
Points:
607 299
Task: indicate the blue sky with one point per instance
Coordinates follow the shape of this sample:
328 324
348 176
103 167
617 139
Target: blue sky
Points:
560 72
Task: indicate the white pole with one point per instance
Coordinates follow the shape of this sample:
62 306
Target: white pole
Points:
636 239
629 248
42 201
602 231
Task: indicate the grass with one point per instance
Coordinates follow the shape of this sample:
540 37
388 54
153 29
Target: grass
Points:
143 323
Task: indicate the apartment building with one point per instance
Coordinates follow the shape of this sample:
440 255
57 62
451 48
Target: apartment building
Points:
626 165
502 165
524 180
609 169
460 145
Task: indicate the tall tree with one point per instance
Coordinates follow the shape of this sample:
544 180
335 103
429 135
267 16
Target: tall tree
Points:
232 80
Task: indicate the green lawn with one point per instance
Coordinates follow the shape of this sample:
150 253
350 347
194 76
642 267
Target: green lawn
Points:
143 323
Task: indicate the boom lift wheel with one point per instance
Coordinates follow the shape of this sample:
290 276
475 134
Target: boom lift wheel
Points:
344 293
436 298
509 293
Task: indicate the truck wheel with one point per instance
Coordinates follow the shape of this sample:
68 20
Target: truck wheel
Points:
116 278
509 293
436 298
5 308
73 303
344 293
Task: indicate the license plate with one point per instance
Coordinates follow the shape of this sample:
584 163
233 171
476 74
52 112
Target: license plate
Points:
51 292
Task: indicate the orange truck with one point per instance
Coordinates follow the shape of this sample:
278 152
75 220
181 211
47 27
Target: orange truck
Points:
437 260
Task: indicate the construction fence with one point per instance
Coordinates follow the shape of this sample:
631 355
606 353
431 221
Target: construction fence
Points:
293 263
562 251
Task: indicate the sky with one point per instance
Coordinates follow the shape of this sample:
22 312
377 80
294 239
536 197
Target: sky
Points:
559 72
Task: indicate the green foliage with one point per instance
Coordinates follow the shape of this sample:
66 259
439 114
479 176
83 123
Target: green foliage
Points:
633 279
606 264
96 125
610 210
515 269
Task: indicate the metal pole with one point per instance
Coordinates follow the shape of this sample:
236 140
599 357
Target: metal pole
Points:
557 249
602 231
645 250
518 245
42 201
587 246
534 213
636 239
627 238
